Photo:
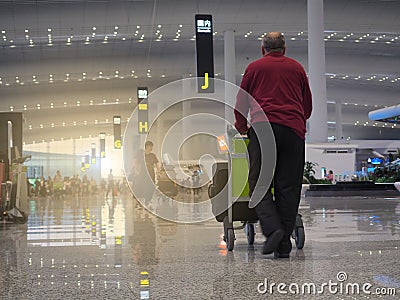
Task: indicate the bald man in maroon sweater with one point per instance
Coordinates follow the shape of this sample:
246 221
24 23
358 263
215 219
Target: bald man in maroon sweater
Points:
280 86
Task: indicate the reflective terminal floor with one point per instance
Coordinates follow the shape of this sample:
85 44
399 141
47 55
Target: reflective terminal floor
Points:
97 248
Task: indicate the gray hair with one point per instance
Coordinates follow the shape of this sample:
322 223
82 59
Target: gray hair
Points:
274 43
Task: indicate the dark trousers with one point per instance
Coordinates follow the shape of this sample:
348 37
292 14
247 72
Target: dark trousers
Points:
287 179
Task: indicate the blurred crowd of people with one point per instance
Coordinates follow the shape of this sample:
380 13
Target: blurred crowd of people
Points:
74 186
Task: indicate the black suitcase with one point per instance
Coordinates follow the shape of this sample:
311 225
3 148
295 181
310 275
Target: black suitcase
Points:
219 197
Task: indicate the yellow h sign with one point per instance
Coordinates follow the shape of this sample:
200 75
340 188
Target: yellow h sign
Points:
143 126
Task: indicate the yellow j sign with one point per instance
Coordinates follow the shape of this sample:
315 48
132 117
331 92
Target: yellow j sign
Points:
117 144
205 85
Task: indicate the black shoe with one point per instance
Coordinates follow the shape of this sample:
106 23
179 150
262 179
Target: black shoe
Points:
281 255
273 241
284 248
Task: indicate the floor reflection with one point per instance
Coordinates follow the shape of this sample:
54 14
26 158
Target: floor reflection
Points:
103 248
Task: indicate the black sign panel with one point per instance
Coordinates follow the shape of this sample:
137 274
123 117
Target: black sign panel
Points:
102 145
87 158
204 53
117 132
143 112
93 161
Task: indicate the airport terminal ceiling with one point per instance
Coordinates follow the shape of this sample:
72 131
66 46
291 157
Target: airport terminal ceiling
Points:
69 66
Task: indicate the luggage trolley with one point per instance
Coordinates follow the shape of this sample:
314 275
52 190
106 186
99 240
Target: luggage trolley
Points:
227 212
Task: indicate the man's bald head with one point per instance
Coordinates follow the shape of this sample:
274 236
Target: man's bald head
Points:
274 42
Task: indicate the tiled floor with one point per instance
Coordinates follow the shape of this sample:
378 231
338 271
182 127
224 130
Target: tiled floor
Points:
97 248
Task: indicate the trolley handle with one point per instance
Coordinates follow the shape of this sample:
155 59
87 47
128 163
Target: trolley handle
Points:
231 132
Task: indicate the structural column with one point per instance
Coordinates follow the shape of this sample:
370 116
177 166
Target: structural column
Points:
47 159
230 91
230 73
75 168
318 128
339 120
186 111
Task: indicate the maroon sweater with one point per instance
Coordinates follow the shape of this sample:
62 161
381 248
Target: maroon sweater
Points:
279 85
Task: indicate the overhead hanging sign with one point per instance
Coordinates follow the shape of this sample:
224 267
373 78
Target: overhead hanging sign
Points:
102 145
117 132
143 112
87 159
204 53
93 160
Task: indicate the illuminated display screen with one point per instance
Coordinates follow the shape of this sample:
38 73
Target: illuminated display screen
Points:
117 120
204 25
142 93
